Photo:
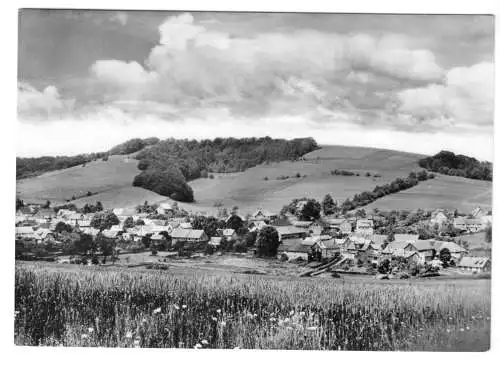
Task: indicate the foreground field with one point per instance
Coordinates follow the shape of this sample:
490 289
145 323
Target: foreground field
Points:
139 308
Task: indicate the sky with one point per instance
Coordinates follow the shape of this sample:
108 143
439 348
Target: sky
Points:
88 80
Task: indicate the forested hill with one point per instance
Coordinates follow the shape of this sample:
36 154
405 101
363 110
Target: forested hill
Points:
448 163
168 165
33 166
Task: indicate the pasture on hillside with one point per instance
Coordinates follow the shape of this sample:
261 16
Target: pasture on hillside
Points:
95 306
249 190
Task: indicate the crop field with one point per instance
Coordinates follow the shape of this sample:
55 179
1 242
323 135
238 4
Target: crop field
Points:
91 306
249 190
447 192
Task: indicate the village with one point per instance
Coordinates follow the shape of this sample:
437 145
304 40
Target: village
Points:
382 244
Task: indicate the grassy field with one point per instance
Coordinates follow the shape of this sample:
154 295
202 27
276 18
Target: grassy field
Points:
250 190
93 306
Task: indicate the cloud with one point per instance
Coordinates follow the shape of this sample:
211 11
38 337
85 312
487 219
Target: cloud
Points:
193 65
466 98
118 126
120 17
40 104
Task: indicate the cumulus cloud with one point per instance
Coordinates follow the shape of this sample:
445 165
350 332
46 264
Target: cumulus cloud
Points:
193 65
466 98
35 104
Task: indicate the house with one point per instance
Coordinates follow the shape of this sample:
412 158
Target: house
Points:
456 251
438 217
293 248
188 235
264 215
256 226
157 237
310 241
369 252
215 241
316 229
228 233
486 220
430 248
345 227
364 227
74 218
90 231
44 215
164 208
379 239
110 233
25 232
84 223
397 247
290 232
44 235
124 213
475 264
468 224
325 249
185 225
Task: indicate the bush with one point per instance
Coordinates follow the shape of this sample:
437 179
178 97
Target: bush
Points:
266 178
283 257
95 260
154 252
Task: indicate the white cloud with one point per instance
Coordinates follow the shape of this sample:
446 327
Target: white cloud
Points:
116 126
193 65
120 17
465 98
40 104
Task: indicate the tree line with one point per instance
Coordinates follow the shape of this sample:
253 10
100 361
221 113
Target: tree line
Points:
447 163
168 165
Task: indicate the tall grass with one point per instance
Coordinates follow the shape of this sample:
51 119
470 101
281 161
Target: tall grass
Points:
118 308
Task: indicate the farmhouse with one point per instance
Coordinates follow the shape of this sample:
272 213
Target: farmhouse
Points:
228 233
468 224
294 248
290 232
475 264
164 208
215 241
397 247
188 235
325 249
456 251
302 224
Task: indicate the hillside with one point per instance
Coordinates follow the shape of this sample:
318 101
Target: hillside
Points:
112 181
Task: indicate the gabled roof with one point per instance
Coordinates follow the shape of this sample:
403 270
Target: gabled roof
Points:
157 237
165 206
44 212
215 241
180 233
425 245
328 245
109 233
379 238
405 237
75 216
396 246
305 224
311 240
334 221
264 213
473 262
84 223
364 222
186 225
124 211
452 247
289 230
24 230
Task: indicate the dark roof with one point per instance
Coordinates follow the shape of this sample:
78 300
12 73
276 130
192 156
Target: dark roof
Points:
289 230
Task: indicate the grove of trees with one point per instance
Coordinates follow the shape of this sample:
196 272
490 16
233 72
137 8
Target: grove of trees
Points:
447 163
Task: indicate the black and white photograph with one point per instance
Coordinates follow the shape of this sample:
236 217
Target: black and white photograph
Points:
253 180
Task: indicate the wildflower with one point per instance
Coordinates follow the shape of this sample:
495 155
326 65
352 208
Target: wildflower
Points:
181 344
84 336
128 334
280 322
302 314
157 310
272 319
312 328
16 313
136 342
467 328
236 348
144 320
473 317
286 320
218 311
223 323
91 330
214 319
448 330
176 306
198 346
184 306
204 342
461 329
289 328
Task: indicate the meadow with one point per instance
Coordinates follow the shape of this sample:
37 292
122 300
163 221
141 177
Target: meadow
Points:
92 306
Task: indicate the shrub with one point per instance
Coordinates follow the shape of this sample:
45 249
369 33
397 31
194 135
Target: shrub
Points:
154 252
